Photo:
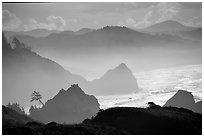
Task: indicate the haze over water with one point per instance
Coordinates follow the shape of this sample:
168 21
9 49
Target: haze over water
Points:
158 86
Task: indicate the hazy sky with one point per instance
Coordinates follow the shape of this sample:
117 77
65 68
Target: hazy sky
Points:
73 16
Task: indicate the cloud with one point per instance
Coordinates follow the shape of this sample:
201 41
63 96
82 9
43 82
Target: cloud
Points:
52 23
195 21
145 20
130 22
155 13
57 22
10 21
33 24
167 10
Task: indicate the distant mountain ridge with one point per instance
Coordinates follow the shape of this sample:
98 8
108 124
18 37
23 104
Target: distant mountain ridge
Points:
193 35
175 28
109 35
116 40
33 33
83 31
36 33
168 26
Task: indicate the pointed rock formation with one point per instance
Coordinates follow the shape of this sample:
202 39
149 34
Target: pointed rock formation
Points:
119 80
184 99
68 106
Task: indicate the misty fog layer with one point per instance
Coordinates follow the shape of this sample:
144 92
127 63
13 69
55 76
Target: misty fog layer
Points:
91 54
95 54
25 71
158 86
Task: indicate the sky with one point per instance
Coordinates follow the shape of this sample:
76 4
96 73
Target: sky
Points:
74 16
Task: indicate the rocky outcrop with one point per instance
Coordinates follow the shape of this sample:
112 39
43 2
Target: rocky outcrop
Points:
184 99
119 80
68 106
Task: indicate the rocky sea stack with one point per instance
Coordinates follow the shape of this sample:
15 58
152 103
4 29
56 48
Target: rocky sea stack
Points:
184 99
68 106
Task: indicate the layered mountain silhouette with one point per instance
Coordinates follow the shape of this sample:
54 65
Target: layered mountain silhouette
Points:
193 34
71 33
33 33
119 80
25 71
168 26
171 49
83 31
37 33
106 36
184 99
171 27
68 106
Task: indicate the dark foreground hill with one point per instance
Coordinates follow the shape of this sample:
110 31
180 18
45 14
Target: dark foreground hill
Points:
11 118
166 120
123 120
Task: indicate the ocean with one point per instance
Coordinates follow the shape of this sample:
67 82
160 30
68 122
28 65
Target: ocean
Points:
158 86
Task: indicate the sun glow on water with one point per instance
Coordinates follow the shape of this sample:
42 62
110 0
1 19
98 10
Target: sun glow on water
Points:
158 86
